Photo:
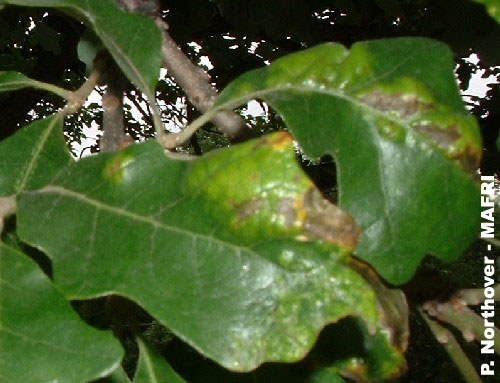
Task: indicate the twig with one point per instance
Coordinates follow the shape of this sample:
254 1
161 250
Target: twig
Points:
196 84
146 116
63 93
476 296
79 96
170 141
493 241
453 348
112 102
463 319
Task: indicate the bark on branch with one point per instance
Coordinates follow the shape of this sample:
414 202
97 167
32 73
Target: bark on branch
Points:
113 136
196 84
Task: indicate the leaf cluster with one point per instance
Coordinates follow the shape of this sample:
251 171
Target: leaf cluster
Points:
235 258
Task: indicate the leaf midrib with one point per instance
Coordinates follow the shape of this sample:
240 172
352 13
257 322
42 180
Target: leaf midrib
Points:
332 93
31 165
63 192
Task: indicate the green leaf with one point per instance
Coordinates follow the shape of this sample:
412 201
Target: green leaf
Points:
117 376
390 114
152 367
231 252
10 81
33 156
87 49
325 375
42 339
492 7
366 358
362 358
133 40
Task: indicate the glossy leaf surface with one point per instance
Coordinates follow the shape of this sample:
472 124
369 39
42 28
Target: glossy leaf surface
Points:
133 40
152 367
230 252
390 114
41 338
33 156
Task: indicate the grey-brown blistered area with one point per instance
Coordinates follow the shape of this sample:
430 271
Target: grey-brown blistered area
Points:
469 163
326 221
405 105
392 304
145 7
247 209
444 137
287 211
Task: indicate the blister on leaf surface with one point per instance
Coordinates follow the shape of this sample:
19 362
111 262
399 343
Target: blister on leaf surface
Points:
41 338
225 251
406 150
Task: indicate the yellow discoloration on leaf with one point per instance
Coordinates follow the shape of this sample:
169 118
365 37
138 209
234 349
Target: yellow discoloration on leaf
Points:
390 130
300 211
455 134
280 141
114 170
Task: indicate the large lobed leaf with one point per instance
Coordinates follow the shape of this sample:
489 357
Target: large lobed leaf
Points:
41 338
230 252
33 156
390 114
133 40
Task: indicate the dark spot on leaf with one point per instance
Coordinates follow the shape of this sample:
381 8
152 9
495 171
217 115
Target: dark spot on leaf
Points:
326 221
247 209
404 105
116 166
393 305
444 137
468 160
287 211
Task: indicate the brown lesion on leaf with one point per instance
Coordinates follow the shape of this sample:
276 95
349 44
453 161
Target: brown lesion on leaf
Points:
287 211
468 160
444 137
405 105
247 209
324 220
115 167
393 306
